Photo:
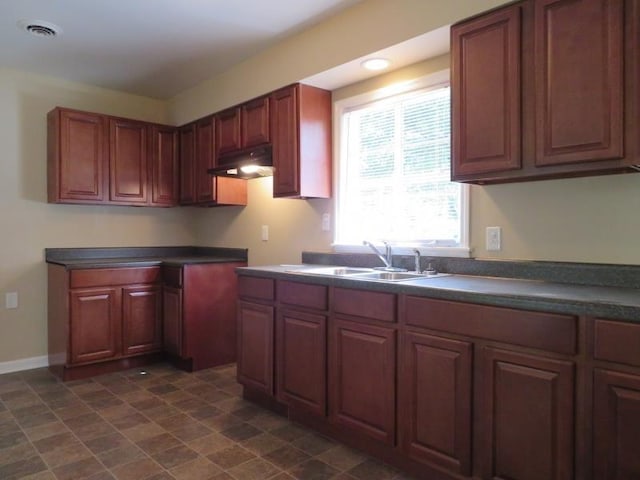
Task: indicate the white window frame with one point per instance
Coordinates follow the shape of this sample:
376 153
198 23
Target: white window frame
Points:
434 80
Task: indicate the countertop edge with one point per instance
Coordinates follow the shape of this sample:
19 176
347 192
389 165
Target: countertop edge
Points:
536 303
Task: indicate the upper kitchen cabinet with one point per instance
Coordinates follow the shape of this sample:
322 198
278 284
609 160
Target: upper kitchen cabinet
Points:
486 110
98 159
539 88
77 157
163 170
241 127
197 155
128 169
301 141
228 131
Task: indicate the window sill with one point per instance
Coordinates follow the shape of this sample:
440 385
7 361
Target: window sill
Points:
425 251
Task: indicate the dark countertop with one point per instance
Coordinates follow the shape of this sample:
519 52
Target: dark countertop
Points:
599 301
82 258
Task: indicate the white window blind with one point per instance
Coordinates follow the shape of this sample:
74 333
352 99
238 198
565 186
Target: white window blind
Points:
395 170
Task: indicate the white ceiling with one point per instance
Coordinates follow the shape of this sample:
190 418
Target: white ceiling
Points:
155 48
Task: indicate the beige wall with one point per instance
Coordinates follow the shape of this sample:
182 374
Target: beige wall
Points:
29 224
367 27
589 220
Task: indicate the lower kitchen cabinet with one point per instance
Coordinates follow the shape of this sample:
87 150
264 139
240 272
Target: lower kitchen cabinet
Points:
616 424
362 369
526 416
142 319
301 341
435 404
103 319
445 389
94 324
199 314
255 346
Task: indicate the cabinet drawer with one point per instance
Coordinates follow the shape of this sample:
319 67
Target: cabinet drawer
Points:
172 276
303 295
97 277
259 288
362 303
546 331
617 342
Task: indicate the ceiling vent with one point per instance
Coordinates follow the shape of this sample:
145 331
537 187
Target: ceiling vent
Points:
40 28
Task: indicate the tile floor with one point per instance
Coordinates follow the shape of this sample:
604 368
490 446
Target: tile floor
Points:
165 425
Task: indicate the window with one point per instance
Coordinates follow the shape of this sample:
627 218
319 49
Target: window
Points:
394 170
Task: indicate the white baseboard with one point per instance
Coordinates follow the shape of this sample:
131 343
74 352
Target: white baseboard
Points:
24 364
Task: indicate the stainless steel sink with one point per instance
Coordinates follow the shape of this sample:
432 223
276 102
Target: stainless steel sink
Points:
334 271
387 276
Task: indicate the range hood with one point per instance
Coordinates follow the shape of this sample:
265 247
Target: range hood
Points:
247 164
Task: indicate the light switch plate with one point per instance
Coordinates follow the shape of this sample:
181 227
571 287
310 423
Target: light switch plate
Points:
11 300
326 222
265 233
494 239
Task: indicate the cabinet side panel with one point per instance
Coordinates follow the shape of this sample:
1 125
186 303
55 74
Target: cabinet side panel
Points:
315 136
209 313
58 315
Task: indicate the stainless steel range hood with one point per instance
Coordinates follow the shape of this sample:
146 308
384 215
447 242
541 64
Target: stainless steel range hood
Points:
247 164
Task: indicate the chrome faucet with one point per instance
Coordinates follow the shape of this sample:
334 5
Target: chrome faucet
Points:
387 258
416 254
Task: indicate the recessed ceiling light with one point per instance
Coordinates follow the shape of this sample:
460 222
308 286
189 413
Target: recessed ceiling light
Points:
40 28
376 63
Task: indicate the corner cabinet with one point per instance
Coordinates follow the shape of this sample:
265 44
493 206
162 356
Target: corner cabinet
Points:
301 139
197 155
538 91
98 159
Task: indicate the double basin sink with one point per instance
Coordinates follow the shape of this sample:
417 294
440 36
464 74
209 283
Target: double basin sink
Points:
366 274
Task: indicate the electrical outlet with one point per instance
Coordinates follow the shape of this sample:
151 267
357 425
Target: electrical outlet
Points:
11 300
494 239
265 233
326 222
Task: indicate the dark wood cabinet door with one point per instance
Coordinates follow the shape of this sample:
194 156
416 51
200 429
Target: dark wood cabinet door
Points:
284 135
616 425
95 324
164 166
362 378
579 80
187 164
526 415
302 360
172 321
205 159
128 167
77 157
255 122
141 319
228 131
486 93
434 387
255 346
